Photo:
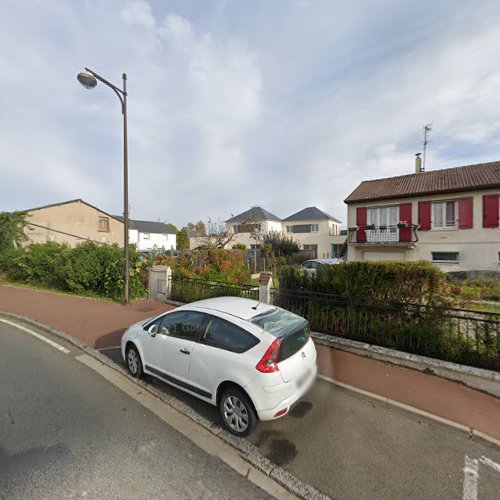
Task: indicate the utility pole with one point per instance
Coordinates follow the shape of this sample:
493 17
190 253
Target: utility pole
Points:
427 130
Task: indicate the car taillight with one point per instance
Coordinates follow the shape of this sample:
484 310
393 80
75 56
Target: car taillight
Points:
268 362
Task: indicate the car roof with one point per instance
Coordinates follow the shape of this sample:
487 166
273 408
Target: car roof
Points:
325 261
236 306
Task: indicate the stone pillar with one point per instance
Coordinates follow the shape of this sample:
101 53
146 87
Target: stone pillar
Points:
160 283
265 286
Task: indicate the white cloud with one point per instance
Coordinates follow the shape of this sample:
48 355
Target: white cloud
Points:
230 104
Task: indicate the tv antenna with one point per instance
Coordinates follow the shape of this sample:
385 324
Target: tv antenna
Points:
427 130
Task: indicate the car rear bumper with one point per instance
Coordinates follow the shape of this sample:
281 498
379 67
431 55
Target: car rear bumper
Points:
289 400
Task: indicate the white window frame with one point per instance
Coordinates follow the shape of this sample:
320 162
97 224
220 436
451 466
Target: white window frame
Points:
442 209
314 228
374 216
378 219
457 261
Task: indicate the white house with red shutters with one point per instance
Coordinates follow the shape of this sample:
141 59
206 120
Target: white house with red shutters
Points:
449 217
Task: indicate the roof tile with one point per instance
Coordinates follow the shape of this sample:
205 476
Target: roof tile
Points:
466 178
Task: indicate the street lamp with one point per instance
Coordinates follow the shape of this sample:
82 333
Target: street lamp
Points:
88 79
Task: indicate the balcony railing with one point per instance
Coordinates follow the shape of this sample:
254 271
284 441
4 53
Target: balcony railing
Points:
383 235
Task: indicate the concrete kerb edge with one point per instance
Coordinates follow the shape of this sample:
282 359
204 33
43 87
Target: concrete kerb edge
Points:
461 427
247 450
483 380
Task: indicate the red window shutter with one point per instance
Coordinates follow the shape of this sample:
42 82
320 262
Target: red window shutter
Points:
405 216
424 215
465 213
490 210
361 214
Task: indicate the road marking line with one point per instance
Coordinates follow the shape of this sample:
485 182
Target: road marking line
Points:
37 335
471 475
486 461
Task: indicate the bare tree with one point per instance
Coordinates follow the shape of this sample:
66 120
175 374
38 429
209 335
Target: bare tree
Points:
219 234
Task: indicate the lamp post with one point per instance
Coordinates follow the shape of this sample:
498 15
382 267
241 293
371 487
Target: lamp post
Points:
88 79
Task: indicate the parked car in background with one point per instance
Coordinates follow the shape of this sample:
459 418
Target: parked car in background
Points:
311 266
251 360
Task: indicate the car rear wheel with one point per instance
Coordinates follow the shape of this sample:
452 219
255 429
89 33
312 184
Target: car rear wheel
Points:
237 413
134 363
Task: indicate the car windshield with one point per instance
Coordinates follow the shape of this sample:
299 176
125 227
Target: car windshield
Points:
279 322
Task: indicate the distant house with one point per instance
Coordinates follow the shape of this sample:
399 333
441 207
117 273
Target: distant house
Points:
315 231
147 235
72 222
250 226
449 217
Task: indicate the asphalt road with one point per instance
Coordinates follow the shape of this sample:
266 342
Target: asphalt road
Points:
67 432
355 447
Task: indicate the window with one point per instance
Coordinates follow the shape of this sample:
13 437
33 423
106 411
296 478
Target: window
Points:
444 215
292 329
254 247
313 249
303 228
383 216
449 257
224 335
247 228
103 224
186 325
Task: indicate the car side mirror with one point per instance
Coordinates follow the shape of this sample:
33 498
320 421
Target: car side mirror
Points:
153 330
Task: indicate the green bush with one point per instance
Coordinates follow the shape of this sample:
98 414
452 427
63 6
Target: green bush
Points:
212 264
88 269
374 282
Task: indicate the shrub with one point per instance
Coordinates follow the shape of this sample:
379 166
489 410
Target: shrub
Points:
379 282
88 269
212 264
239 246
281 246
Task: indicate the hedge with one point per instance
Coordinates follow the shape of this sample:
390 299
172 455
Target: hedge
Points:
88 269
373 282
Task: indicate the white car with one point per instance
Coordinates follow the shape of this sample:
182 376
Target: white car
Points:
311 266
251 360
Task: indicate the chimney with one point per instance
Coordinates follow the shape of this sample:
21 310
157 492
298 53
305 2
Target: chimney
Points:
418 163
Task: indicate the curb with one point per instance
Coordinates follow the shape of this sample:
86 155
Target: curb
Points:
487 381
247 450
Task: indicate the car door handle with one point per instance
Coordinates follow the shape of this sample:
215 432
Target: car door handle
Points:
184 351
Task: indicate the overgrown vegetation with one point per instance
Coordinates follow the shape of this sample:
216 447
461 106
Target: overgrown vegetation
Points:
392 305
212 264
371 282
88 269
466 291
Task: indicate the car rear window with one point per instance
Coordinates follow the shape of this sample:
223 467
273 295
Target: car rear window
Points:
293 342
293 330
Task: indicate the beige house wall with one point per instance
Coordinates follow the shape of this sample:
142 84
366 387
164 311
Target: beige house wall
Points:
328 234
71 223
478 247
267 226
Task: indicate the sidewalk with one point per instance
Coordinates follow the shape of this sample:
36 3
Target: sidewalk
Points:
101 323
98 323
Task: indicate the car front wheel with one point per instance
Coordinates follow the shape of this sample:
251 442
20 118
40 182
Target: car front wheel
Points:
134 363
237 413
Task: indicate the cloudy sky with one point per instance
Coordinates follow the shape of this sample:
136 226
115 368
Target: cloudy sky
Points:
234 103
